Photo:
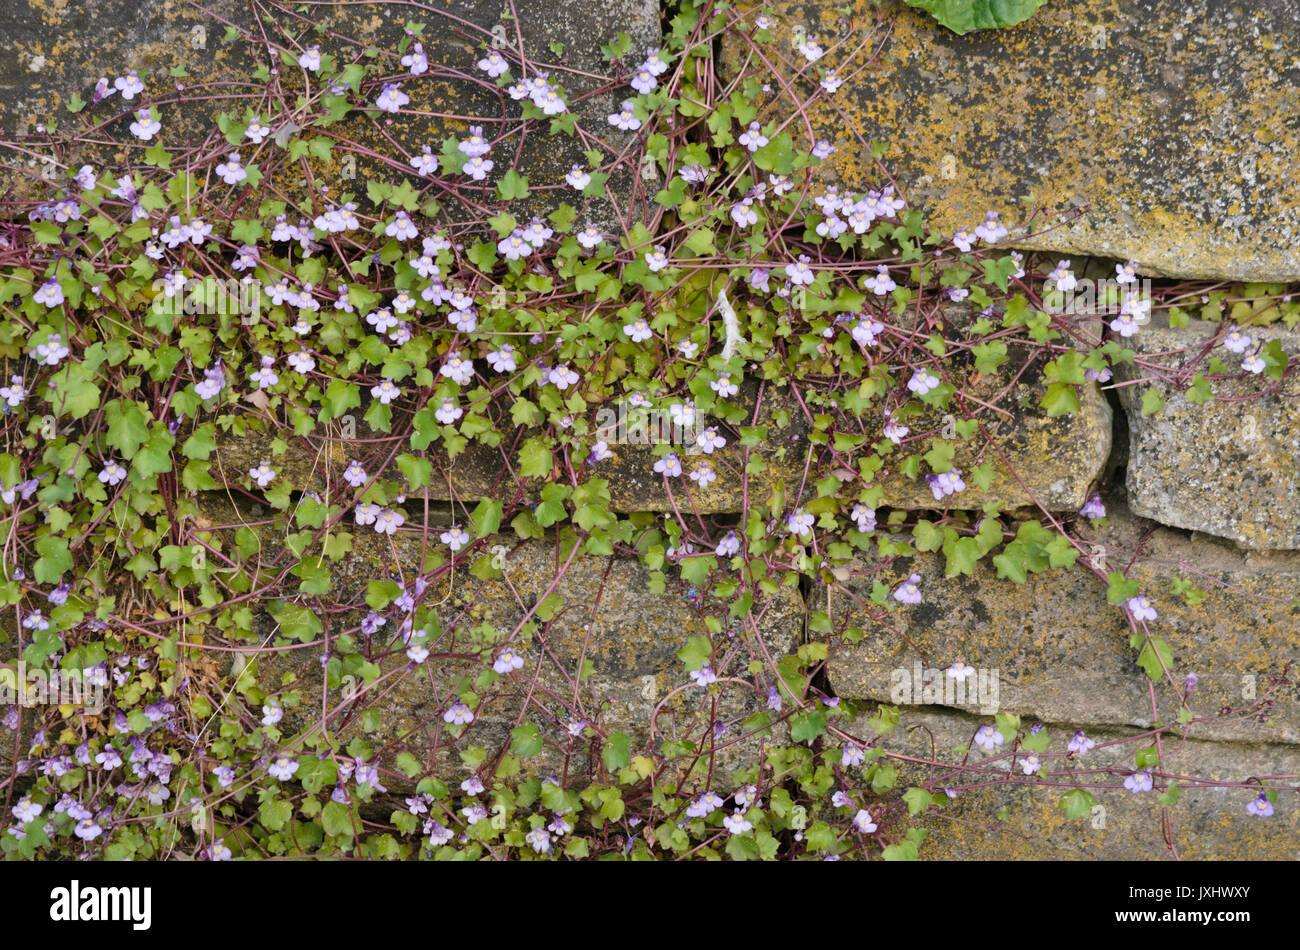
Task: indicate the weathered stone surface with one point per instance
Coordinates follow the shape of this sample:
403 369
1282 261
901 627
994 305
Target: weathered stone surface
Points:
51 49
1229 467
1208 823
1173 123
1062 652
628 638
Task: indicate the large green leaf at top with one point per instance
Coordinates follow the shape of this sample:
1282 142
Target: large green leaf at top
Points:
962 16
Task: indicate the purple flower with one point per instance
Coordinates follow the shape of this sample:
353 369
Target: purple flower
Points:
283 768
416 61
909 592
862 822
799 272
1081 743
1094 507
458 715
1261 807
625 119
391 98
1138 782
988 738
704 676
1141 608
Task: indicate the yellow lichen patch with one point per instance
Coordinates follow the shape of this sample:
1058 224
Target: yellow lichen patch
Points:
1168 124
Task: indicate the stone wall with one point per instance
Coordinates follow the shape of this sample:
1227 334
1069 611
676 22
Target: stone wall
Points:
1194 492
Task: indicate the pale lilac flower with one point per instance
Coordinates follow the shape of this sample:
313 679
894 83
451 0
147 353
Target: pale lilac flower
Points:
578 178
1261 807
743 213
864 517
561 376
283 768
800 272
638 330
271 714
129 85
851 756
737 823
145 125
960 671
753 138
50 294
945 484
425 163
416 61
256 131
389 521
263 474
265 377
301 362
709 440
310 59
391 98
367 513
537 233
992 230
922 382
1141 608
823 149
456 369
539 839
354 474
1064 279
703 474
656 259
502 360
723 386
458 715
669 466
988 738
1124 325
494 64
111 473
683 413
1237 340
862 822
728 546
1031 764
694 174
800 523
477 168
1081 743
589 237
448 412
401 227
910 591
625 119
1139 782
1093 508
385 392
1126 273
508 662
831 82
644 81
455 538
704 806
27 810
230 171
1253 364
